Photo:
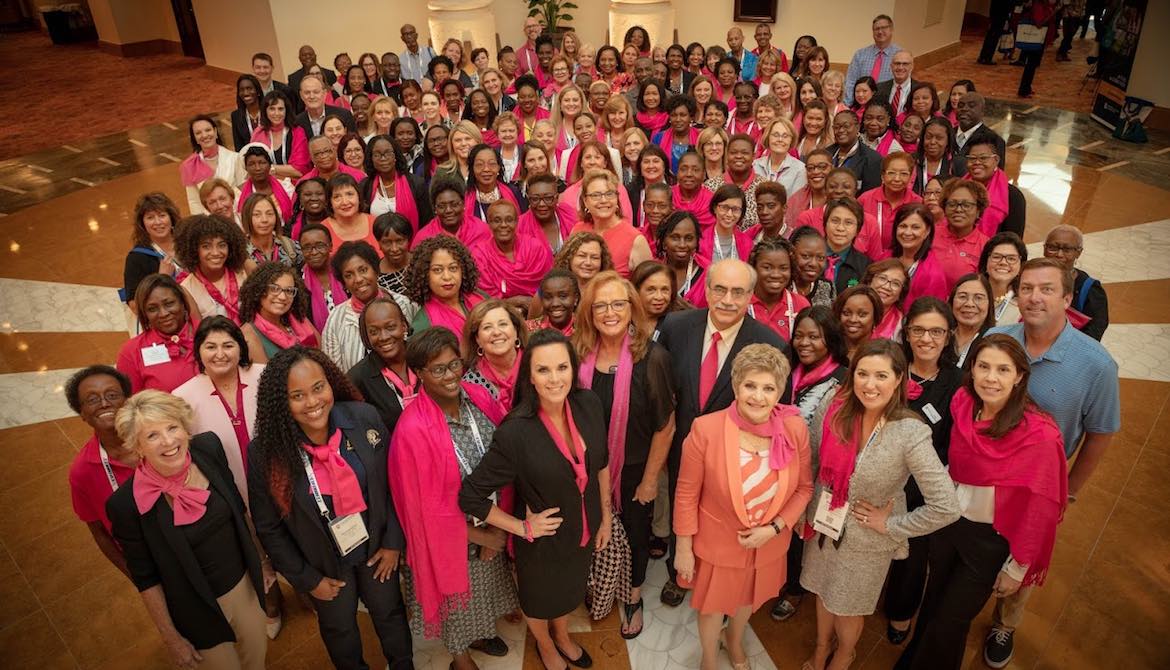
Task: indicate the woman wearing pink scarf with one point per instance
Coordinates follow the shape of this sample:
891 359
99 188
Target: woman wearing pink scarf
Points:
891 282
631 375
913 237
162 356
552 449
275 311
1007 460
745 480
459 580
216 252
289 146
442 278
210 158
493 342
321 503
1006 207
257 163
486 185
510 265
178 512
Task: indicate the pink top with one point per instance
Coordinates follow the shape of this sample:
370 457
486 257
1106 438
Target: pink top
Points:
90 486
927 278
472 232
743 244
956 255
341 167
874 202
619 240
866 241
781 316
294 154
571 196
137 356
699 206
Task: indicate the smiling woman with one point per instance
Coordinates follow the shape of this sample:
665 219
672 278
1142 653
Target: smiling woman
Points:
355 265
216 252
162 355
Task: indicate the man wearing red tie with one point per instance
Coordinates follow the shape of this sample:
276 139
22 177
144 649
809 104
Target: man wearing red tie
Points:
702 343
896 90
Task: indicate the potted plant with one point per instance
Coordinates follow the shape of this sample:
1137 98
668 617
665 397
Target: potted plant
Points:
551 13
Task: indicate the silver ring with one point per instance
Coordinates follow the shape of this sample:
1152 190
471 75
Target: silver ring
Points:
865 519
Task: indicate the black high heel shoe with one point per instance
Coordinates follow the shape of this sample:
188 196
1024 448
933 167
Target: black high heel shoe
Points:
896 636
582 661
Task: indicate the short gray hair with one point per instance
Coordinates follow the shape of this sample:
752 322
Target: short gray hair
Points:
760 358
1065 228
717 265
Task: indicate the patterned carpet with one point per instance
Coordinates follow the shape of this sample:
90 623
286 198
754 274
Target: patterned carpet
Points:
104 94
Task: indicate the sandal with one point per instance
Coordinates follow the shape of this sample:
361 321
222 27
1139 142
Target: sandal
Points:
657 547
630 611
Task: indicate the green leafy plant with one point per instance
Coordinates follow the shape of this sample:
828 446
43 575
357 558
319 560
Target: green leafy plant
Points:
551 12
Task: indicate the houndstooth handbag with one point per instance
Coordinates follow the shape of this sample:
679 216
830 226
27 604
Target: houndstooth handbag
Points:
609 576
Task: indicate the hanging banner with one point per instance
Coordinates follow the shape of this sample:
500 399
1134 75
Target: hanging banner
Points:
1119 41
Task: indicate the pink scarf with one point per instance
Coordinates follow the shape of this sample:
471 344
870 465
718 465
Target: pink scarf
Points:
229 299
440 314
403 199
317 295
505 386
884 144
406 388
619 411
696 293
666 140
997 207
194 170
471 231
189 503
500 277
652 121
302 333
580 469
782 450
743 243
335 477
528 226
425 478
699 206
838 457
278 192
802 378
890 320
1028 469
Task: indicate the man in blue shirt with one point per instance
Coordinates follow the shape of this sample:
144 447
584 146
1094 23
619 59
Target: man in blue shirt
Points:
416 58
873 60
1075 380
747 60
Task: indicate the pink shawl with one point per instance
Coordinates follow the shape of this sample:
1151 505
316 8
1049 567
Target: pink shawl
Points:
317 296
666 140
194 170
782 449
471 232
539 115
652 121
891 319
278 192
743 243
927 278
440 314
189 503
529 227
425 478
579 465
699 206
619 411
302 333
838 457
696 293
997 207
298 151
503 278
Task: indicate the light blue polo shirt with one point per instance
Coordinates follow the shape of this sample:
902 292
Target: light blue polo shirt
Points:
1076 382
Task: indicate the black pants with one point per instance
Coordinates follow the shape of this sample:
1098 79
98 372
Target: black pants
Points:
965 558
795 560
673 465
1031 61
637 519
906 580
1071 24
337 619
1000 9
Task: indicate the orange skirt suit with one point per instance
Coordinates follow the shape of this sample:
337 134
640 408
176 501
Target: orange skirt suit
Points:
709 504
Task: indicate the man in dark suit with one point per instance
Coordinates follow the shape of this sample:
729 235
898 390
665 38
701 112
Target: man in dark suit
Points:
313 98
702 345
969 113
262 69
851 153
308 57
896 91
390 85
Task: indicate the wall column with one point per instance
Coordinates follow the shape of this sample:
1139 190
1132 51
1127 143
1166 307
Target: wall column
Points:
470 21
656 16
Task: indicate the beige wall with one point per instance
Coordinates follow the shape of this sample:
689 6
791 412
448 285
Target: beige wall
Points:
910 31
233 30
1148 79
130 21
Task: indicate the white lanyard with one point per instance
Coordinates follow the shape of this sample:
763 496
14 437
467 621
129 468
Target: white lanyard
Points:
912 269
1000 308
869 443
313 485
925 171
788 313
278 157
106 466
879 220
717 248
686 287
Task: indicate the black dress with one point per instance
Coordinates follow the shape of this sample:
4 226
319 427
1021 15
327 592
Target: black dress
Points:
552 571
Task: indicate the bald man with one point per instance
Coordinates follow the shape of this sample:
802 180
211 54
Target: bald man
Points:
896 91
526 54
308 57
1065 244
416 57
747 59
703 343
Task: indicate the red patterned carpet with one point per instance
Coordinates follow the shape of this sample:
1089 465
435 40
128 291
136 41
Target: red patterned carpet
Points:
59 94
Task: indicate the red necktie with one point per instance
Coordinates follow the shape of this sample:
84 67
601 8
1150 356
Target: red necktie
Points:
831 270
897 97
877 65
709 370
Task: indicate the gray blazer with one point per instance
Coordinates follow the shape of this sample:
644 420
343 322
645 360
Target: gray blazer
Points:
903 449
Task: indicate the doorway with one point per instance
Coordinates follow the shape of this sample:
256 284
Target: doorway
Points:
188 28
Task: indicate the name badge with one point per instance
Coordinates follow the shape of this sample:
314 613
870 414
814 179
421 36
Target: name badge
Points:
931 413
155 354
349 532
829 522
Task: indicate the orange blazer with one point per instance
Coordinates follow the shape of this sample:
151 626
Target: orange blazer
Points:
708 501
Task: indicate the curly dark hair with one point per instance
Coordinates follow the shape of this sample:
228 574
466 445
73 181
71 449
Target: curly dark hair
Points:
194 230
73 386
256 287
277 435
347 251
152 202
418 287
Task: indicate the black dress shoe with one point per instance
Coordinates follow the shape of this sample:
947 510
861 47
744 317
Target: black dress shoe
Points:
492 646
896 636
583 661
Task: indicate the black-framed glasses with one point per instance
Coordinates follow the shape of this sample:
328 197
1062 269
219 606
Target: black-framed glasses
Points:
1061 249
960 205
455 367
918 332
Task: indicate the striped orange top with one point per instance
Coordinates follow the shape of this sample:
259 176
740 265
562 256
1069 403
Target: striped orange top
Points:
760 484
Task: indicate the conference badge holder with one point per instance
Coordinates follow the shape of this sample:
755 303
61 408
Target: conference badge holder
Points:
349 531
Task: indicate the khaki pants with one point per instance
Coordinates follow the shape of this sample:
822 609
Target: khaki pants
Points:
242 610
661 524
1009 611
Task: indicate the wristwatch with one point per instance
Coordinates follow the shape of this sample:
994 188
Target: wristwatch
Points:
775 527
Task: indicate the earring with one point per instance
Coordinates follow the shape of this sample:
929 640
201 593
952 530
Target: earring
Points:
479 352
517 344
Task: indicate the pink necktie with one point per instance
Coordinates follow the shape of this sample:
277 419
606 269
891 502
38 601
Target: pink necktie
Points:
877 65
709 370
831 270
897 97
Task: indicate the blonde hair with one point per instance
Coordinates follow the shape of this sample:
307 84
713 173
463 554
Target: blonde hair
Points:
788 125
612 180
467 128
585 337
381 101
794 93
834 75
505 117
209 186
705 136
635 131
615 103
150 406
760 358
556 116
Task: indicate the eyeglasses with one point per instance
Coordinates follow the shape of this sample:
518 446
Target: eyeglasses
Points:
542 198
881 280
960 205
379 155
455 367
600 195
729 209
980 158
357 151
1010 259
110 397
275 290
1061 249
918 332
316 247
618 306
973 298
737 293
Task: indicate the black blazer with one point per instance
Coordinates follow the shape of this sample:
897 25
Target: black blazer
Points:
300 545
682 335
886 88
687 78
302 120
392 91
418 188
865 164
158 554
294 79
851 271
366 375
240 134
1017 211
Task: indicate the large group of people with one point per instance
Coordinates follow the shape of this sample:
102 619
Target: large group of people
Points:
464 341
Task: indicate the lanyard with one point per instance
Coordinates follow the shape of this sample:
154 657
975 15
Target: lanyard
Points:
279 156
313 486
1001 307
686 287
463 464
788 313
869 443
926 174
717 248
106 466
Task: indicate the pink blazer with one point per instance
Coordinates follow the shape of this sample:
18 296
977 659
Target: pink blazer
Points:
211 417
708 502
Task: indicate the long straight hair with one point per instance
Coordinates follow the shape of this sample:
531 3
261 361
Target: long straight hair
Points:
848 417
1019 401
526 401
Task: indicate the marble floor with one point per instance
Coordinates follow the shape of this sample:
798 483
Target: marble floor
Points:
65 219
